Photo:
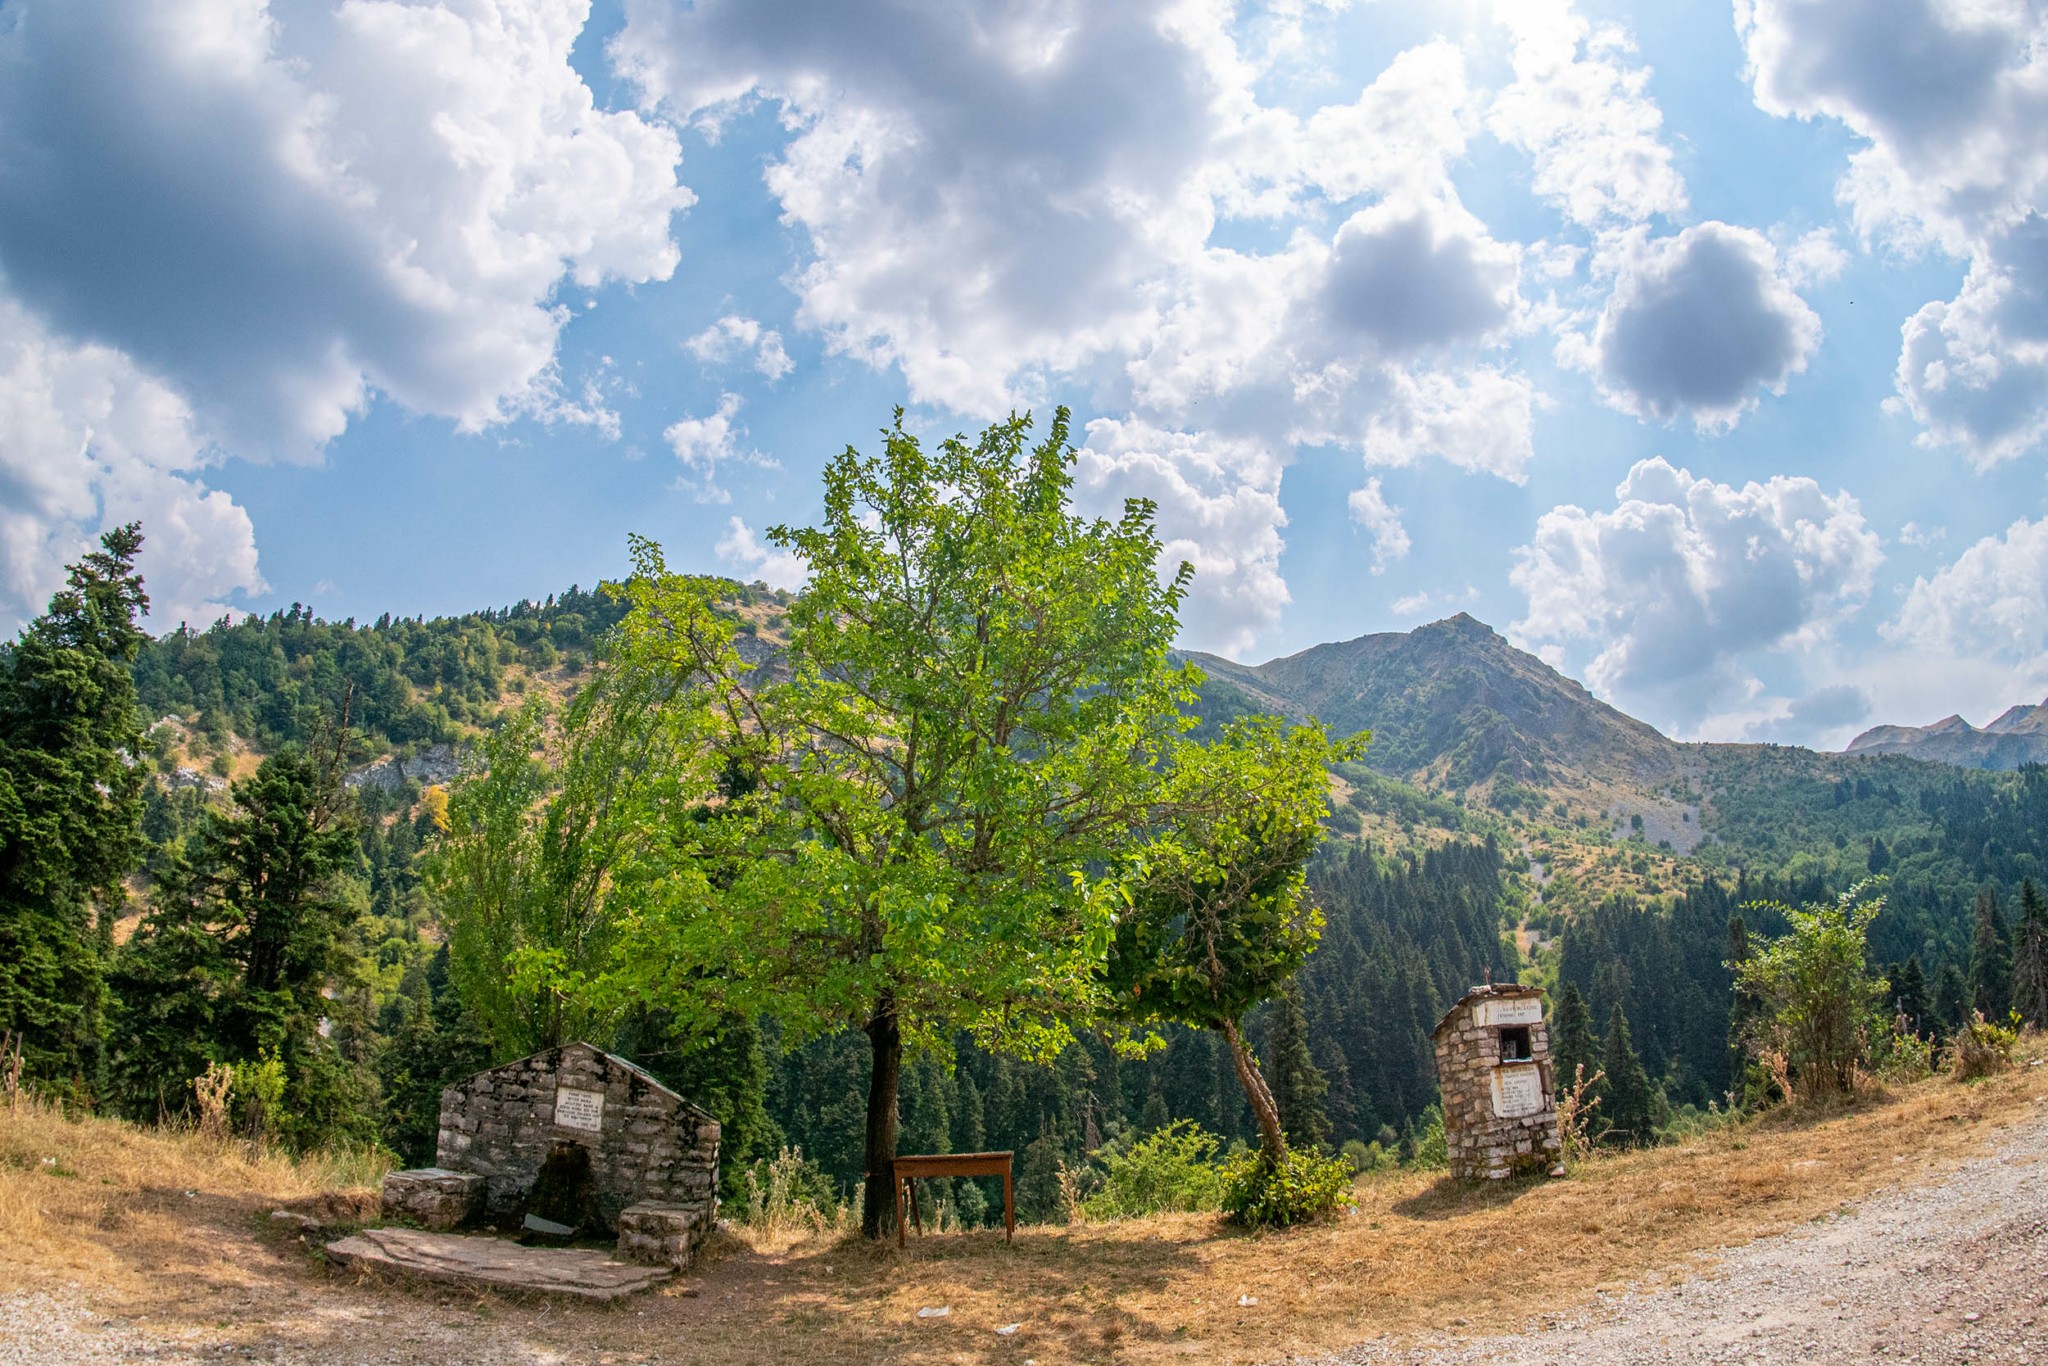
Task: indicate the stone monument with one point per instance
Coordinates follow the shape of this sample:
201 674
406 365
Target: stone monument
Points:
1493 1064
570 1140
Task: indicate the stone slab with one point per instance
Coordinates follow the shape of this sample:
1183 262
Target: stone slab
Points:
496 1264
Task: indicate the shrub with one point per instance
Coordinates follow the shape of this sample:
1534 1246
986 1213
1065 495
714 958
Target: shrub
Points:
1907 1058
1366 1158
1259 1193
1432 1152
1981 1048
1817 1000
788 1193
1171 1170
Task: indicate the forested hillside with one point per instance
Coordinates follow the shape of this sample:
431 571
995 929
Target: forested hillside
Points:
1496 829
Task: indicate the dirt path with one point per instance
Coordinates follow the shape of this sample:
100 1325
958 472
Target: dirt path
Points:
1953 1271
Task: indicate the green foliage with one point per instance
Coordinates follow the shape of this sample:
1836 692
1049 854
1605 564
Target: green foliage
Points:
1300 1188
1817 999
429 1042
1573 1044
1299 1086
246 936
70 809
2030 959
1982 1048
786 1193
977 689
1431 1150
1628 1103
520 879
1990 959
1172 1170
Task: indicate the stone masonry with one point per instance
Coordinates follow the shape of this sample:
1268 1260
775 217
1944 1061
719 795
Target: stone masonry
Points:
1493 1064
646 1143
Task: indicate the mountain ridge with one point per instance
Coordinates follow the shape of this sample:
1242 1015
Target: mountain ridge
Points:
2018 736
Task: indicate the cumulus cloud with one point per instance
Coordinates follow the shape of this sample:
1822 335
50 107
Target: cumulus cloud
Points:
741 549
1370 509
1950 100
1991 602
1685 576
733 336
1826 717
706 445
277 211
1582 114
1698 323
88 441
1219 510
997 198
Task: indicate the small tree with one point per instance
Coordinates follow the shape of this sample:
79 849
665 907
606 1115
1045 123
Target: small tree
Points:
1574 1049
1628 1102
1299 1086
1218 920
1990 959
2030 959
1816 997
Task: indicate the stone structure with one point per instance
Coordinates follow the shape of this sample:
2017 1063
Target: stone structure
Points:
1493 1064
644 1160
433 1197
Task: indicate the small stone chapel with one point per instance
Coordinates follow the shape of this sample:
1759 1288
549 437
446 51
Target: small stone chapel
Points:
573 1137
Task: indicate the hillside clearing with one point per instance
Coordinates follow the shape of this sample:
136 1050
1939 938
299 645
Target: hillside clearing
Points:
168 1243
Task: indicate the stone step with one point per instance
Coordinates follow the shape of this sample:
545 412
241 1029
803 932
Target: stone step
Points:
496 1263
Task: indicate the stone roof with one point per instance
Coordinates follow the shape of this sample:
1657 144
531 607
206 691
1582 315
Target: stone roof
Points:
1497 991
613 1058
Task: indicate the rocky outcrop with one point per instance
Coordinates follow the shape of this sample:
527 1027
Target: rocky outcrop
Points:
434 764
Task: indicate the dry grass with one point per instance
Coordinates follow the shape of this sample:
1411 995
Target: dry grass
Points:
1420 1258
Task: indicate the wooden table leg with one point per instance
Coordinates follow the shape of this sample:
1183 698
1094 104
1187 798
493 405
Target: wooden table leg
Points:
897 1182
916 1215
1009 1210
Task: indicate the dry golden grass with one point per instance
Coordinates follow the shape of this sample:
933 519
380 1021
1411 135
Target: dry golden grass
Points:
1421 1257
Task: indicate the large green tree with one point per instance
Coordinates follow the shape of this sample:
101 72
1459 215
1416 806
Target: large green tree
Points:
1990 959
70 808
1816 998
2030 958
920 797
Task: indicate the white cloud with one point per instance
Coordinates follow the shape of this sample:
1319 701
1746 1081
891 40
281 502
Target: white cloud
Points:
1583 116
87 442
1990 603
734 336
740 548
1218 504
1697 324
1950 99
1411 275
707 444
277 211
1370 509
1685 577
1481 420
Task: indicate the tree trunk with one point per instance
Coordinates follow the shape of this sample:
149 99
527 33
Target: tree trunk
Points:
885 1043
1272 1138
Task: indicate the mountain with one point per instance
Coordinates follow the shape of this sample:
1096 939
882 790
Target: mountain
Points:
1452 704
2018 737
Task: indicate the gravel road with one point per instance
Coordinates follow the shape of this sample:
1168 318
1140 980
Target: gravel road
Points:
1952 1272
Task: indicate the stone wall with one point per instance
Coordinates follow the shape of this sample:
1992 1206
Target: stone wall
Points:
1500 1114
646 1143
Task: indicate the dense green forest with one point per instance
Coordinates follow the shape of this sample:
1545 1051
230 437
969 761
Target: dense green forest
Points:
145 938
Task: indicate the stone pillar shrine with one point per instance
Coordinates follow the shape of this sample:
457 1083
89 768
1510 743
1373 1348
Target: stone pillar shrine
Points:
1493 1064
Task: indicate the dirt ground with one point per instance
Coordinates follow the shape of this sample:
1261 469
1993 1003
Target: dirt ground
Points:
121 1246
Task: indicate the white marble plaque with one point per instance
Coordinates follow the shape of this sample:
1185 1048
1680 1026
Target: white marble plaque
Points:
576 1109
1522 1010
1517 1090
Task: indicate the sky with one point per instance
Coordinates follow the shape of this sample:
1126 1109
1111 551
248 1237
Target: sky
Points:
1701 350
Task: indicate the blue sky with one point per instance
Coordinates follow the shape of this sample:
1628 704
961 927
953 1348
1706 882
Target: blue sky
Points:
1703 350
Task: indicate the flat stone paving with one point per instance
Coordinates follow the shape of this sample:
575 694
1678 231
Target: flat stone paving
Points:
496 1263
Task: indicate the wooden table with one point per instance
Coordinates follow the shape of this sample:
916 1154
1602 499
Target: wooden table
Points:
906 1170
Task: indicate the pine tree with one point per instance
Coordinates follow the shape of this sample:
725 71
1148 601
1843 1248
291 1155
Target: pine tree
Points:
1299 1087
1990 959
1628 1105
70 808
2030 959
1909 996
1951 997
1573 1045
